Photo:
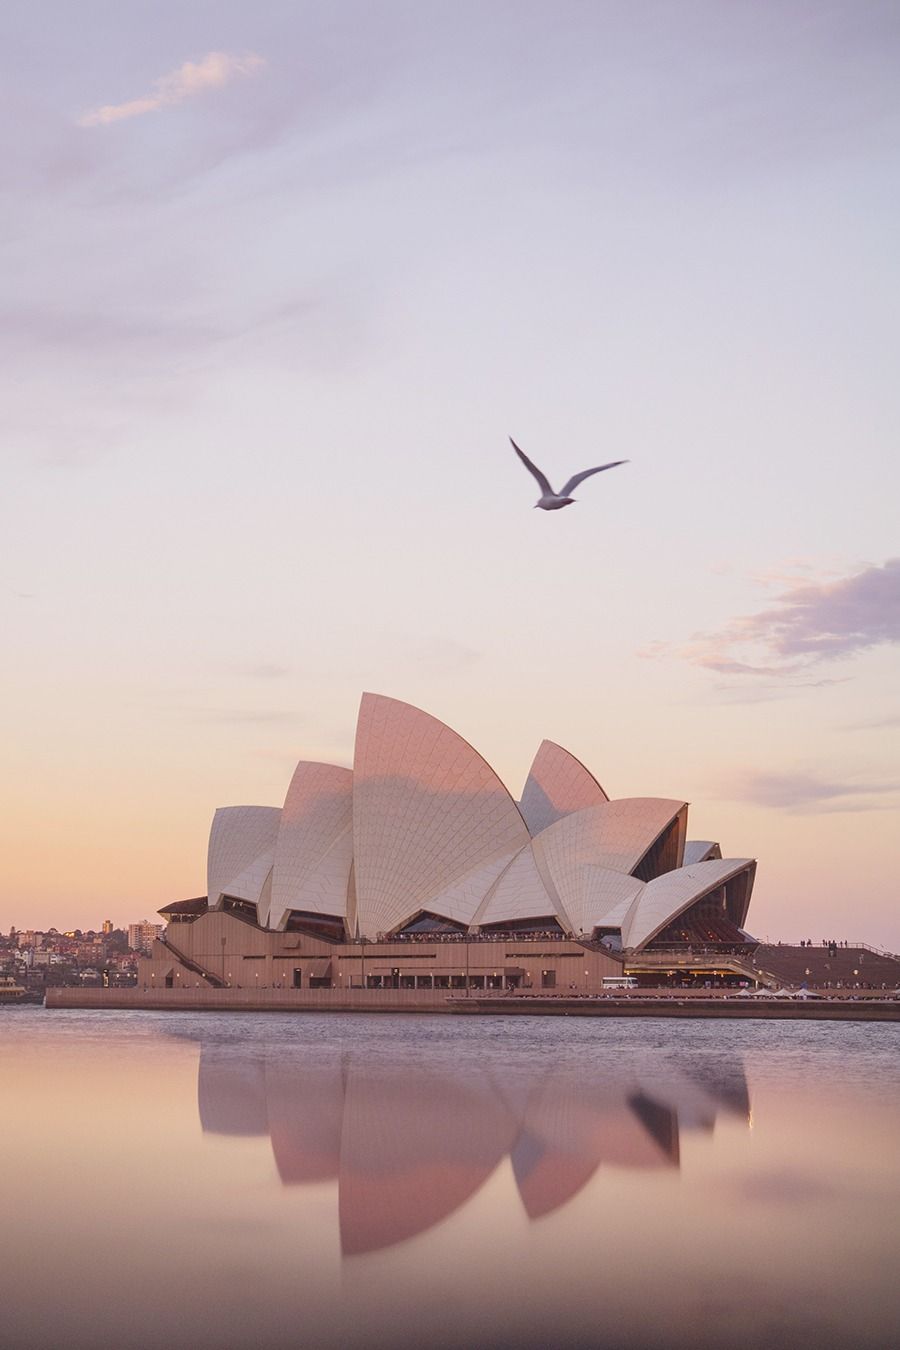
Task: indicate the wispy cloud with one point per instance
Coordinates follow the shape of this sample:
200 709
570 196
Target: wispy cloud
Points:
101 330
194 77
804 793
738 692
812 622
889 722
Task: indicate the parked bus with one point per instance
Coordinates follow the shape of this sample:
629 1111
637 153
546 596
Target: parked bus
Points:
619 982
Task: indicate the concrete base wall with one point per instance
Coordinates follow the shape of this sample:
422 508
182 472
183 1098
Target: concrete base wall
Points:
423 1001
219 950
254 1000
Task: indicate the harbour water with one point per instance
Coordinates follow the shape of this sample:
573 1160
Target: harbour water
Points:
239 1180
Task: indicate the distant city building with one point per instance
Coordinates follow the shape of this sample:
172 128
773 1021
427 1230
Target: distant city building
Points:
142 935
107 927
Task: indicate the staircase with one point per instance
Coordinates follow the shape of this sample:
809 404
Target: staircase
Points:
859 966
746 965
215 980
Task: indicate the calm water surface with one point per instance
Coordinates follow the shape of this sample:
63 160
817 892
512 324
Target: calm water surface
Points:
232 1180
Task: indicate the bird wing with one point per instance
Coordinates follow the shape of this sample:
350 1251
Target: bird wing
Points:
533 468
586 473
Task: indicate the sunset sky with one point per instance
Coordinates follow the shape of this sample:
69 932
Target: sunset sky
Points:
279 281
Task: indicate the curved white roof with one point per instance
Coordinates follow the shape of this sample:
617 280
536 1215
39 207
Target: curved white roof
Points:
428 813
557 785
614 834
423 823
462 900
314 848
519 893
251 884
240 837
663 899
602 897
700 850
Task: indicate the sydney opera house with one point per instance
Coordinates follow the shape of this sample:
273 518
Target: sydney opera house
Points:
418 871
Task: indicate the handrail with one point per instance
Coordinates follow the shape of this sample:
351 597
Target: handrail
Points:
841 946
414 939
215 980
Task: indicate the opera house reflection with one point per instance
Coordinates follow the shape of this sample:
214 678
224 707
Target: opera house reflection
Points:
410 1144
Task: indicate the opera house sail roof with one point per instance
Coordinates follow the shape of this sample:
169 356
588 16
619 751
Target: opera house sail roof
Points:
422 835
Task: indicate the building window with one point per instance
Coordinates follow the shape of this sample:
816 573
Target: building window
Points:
298 977
548 979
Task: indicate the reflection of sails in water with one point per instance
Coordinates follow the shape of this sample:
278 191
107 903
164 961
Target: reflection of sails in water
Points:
409 1145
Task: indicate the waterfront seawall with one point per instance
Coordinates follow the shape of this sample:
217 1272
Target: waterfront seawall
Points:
421 1001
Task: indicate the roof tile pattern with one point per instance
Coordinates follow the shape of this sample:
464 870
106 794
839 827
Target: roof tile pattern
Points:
239 836
251 884
423 823
428 811
700 850
557 785
664 899
519 893
614 835
603 897
315 843
462 900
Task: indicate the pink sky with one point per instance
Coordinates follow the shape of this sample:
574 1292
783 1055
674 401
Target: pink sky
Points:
278 292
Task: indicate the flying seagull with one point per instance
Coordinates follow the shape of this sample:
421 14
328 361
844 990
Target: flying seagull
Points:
554 501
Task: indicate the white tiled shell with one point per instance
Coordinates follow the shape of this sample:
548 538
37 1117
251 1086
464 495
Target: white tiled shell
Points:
463 899
602 897
614 834
428 812
519 893
251 884
239 836
264 903
314 848
557 785
700 850
663 899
